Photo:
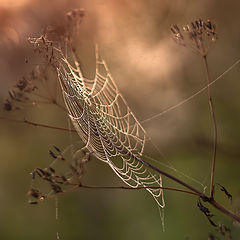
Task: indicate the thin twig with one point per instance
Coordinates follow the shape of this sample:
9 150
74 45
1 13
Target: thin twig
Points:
205 198
215 132
77 186
138 188
25 121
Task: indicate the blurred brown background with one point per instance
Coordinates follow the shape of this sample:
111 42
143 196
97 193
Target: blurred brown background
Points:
153 73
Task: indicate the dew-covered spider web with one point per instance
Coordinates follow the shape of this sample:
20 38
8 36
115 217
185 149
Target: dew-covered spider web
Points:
107 125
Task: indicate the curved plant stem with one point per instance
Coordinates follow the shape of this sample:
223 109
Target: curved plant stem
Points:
211 107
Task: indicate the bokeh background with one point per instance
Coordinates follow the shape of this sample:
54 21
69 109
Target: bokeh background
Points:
153 73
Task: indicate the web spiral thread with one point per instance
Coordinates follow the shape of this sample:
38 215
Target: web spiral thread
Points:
106 124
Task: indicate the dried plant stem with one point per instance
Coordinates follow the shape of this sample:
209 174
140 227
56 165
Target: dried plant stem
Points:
175 179
224 210
192 191
139 188
202 195
211 107
76 186
25 121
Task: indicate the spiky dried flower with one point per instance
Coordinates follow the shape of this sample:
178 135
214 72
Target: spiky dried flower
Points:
198 35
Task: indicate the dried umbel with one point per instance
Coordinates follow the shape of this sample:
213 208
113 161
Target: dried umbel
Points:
198 35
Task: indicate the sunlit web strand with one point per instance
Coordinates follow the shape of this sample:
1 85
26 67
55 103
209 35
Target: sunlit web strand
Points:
192 96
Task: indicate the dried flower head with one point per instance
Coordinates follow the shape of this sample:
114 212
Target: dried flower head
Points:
198 35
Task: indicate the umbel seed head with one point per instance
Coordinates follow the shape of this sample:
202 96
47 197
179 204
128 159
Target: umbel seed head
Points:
198 35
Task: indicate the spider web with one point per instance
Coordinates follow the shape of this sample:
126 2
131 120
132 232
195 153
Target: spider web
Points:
107 125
